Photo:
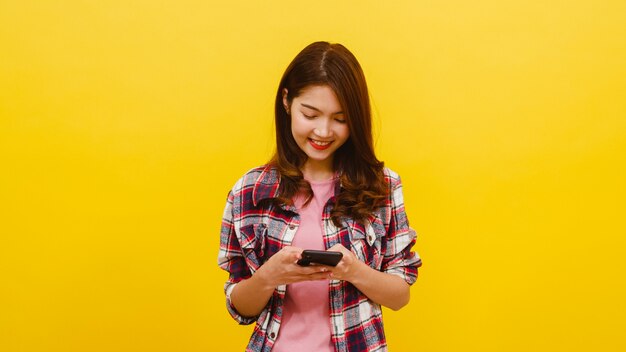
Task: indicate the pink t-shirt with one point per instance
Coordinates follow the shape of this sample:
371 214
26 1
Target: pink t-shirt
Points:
306 313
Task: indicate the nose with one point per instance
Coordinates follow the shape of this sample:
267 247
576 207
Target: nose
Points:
322 129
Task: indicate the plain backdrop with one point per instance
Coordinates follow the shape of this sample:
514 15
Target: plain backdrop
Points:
123 124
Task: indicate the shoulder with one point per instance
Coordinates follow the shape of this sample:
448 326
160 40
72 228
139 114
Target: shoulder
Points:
392 178
257 184
253 176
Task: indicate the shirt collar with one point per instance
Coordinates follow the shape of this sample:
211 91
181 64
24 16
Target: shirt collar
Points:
267 184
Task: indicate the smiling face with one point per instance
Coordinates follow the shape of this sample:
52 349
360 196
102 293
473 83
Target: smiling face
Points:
318 126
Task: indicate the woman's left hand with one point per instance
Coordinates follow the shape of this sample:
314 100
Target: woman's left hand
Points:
383 288
348 268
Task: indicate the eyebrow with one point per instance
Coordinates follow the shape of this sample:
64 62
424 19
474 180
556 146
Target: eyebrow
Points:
318 110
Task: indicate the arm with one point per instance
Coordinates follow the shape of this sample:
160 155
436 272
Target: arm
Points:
248 291
250 296
389 286
385 289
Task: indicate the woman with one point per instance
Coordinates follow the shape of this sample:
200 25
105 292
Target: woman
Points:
324 189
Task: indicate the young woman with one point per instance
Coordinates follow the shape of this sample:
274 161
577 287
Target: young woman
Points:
324 189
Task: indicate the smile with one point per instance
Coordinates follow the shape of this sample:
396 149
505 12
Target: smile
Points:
319 145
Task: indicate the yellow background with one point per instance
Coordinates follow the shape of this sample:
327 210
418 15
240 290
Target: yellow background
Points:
124 123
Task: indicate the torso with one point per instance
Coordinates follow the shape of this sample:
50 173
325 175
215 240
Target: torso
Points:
306 309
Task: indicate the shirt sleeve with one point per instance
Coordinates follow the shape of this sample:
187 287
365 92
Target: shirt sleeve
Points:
231 259
399 259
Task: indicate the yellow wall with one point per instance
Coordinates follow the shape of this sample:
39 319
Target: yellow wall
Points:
124 123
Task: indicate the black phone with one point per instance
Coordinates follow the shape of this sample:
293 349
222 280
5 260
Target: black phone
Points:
310 256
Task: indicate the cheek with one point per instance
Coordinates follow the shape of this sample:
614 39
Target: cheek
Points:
344 132
299 128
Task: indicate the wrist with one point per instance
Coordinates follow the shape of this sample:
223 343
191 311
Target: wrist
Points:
263 280
359 272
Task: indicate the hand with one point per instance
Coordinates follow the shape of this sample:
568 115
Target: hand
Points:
349 267
281 269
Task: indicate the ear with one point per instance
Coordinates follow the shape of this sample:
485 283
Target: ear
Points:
285 102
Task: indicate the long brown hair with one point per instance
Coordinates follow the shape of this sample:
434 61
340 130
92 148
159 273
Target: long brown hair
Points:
362 179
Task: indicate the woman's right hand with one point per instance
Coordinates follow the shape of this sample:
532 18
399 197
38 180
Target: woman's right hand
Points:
282 269
250 296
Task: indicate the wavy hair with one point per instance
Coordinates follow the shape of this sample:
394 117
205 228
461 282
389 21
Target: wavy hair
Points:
363 184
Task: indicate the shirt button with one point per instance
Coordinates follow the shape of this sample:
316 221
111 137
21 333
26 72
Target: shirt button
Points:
291 227
272 335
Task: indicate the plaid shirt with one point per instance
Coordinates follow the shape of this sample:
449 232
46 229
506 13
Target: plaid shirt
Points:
252 233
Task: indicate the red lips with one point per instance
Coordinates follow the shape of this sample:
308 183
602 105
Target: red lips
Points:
319 147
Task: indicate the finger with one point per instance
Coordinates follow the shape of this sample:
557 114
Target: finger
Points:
334 247
318 276
290 256
324 268
313 269
299 277
296 253
290 249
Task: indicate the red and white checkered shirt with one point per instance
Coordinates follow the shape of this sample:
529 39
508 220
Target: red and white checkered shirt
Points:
252 232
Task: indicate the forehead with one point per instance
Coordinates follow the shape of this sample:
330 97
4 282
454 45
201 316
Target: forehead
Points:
322 97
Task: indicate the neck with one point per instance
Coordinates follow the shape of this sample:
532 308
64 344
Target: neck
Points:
314 170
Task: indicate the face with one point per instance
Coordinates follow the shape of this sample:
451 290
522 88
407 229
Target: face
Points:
318 124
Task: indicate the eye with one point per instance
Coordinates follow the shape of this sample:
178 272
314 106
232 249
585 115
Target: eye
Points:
309 117
340 120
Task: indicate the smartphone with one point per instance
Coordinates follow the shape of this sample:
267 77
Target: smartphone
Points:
310 256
